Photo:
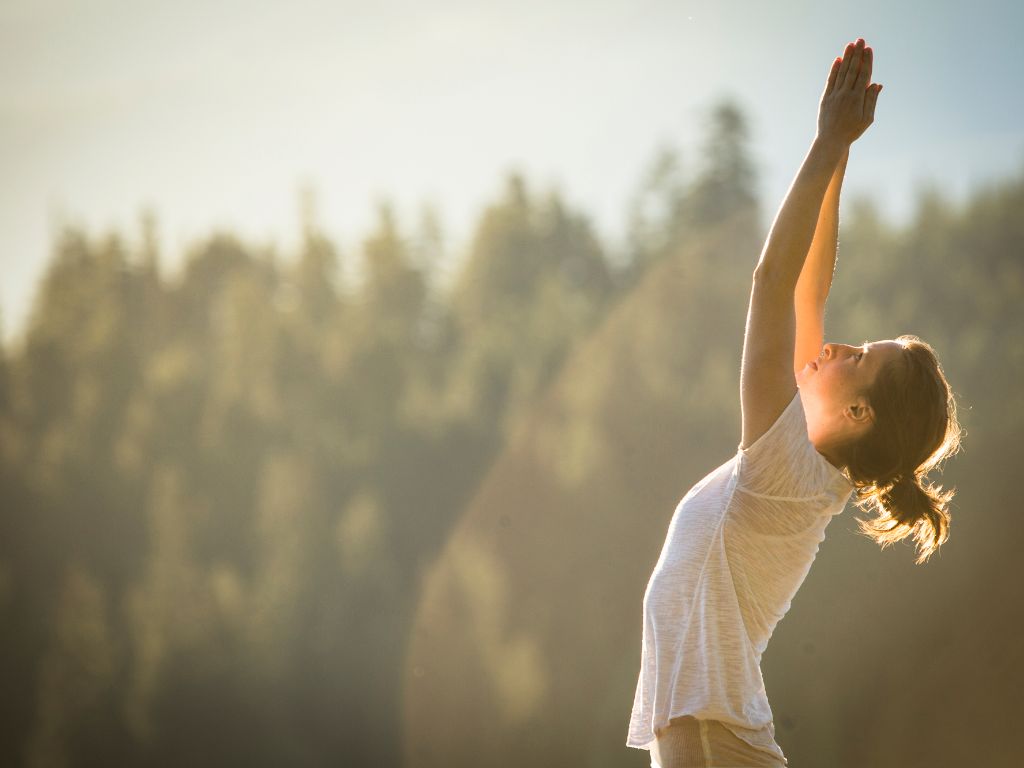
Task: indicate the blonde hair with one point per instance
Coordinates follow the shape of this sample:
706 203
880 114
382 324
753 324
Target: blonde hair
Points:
916 429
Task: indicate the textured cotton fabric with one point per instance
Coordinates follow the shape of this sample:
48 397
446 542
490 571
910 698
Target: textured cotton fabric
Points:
692 743
739 545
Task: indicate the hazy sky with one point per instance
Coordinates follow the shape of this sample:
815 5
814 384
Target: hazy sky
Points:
215 113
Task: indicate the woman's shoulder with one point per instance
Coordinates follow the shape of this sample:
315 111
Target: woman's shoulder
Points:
787 422
784 461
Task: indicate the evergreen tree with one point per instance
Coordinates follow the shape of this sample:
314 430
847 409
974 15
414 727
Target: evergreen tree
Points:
725 185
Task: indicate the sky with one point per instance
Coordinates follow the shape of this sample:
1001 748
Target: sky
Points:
215 115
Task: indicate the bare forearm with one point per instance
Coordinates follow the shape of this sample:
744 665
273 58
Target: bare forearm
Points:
816 277
789 240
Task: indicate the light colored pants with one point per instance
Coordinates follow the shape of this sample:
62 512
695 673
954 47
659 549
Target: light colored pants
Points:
687 742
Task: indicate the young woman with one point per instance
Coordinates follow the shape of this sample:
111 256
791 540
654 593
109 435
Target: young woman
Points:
820 422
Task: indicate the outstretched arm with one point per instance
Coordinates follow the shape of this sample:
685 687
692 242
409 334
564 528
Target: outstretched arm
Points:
816 277
767 381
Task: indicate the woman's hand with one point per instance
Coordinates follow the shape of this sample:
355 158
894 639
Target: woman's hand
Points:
848 104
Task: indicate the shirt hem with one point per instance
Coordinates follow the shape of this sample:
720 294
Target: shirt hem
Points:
638 743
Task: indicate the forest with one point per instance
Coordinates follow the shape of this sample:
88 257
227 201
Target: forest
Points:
253 513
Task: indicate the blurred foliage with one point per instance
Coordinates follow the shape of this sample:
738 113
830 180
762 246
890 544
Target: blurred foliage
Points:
253 514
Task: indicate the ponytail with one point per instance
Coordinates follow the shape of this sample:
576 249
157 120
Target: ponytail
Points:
908 507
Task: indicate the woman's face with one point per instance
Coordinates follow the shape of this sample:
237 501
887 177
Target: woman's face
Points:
832 389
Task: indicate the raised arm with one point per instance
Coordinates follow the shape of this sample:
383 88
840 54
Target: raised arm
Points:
767 380
816 277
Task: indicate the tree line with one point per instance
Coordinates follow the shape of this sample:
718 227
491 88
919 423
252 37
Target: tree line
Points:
224 491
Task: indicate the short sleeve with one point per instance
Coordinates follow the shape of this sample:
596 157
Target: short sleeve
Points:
783 462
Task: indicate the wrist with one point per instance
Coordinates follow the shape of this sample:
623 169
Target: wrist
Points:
832 147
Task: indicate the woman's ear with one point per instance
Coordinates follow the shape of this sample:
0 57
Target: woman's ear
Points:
860 412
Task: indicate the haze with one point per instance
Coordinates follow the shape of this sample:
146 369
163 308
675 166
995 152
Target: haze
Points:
215 115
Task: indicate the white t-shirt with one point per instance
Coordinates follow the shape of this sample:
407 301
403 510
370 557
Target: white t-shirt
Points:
739 545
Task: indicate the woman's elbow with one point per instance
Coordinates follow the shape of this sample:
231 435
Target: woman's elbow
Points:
767 275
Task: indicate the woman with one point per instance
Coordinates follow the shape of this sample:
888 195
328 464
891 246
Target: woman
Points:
820 422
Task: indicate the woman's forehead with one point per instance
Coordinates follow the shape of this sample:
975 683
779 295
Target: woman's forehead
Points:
882 350
872 345
884 344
